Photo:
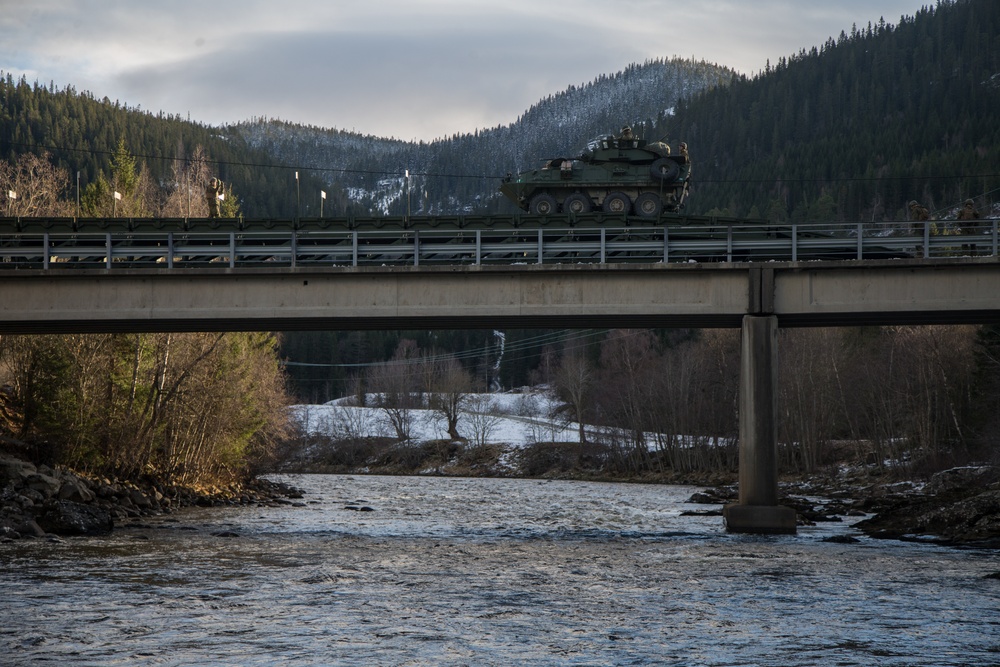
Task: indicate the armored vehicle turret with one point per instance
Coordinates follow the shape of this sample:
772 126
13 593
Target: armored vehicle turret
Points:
617 175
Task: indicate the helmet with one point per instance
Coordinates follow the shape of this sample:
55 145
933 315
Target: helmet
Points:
683 146
214 181
914 203
969 202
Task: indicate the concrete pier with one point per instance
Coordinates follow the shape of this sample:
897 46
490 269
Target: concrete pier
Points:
757 510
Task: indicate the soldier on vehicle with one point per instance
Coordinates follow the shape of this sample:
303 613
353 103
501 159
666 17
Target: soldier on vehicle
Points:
966 213
919 215
212 192
918 212
684 152
625 140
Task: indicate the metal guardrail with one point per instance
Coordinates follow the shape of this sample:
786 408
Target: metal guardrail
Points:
224 246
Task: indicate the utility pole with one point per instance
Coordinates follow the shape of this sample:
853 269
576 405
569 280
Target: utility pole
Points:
406 190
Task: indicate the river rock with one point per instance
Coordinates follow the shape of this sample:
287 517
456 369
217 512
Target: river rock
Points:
46 485
970 517
963 477
14 470
75 489
30 528
65 517
139 499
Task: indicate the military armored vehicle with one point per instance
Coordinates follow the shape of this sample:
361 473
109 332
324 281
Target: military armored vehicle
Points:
618 175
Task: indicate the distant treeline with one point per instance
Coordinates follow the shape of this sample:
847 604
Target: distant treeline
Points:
78 133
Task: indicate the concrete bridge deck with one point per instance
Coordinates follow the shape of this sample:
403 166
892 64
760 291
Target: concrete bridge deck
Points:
942 291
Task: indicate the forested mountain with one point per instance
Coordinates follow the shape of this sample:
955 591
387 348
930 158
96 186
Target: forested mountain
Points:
857 127
461 173
79 133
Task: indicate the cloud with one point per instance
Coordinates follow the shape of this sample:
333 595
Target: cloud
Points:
410 69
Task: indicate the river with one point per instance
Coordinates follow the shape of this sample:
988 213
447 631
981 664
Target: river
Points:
435 571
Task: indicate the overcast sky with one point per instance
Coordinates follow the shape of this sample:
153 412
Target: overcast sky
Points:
410 69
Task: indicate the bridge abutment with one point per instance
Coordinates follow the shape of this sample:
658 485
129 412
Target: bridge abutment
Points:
757 510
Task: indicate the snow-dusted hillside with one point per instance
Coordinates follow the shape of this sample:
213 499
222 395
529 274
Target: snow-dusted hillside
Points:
460 174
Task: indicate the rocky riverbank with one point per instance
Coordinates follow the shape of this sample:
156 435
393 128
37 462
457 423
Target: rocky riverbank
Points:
955 507
40 502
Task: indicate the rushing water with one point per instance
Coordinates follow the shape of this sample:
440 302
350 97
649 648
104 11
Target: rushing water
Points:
489 572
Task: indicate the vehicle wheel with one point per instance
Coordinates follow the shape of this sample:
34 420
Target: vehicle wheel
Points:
665 170
577 203
617 203
648 205
543 204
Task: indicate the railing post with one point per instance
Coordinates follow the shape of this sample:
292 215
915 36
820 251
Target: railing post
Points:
416 247
294 246
729 243
232 250
45 250
354 248
479 246
795 243
860 242
539 246
170 250
604 246
107 250
927 239
666 244
996 223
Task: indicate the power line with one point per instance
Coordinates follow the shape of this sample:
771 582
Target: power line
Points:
366 172
524 344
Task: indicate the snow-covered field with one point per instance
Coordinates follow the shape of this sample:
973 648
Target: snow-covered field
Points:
513 419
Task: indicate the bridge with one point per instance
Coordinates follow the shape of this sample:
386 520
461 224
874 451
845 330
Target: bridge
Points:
514 275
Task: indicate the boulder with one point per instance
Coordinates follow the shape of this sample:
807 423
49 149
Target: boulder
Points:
75 489
962 478
14 470
30 528
46 485
65 517
951 518
139 499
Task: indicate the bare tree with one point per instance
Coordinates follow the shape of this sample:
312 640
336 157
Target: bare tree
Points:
40 187
574 383
448 389
186 197
483 417
394 385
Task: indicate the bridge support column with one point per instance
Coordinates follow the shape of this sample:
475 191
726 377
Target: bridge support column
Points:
757 510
